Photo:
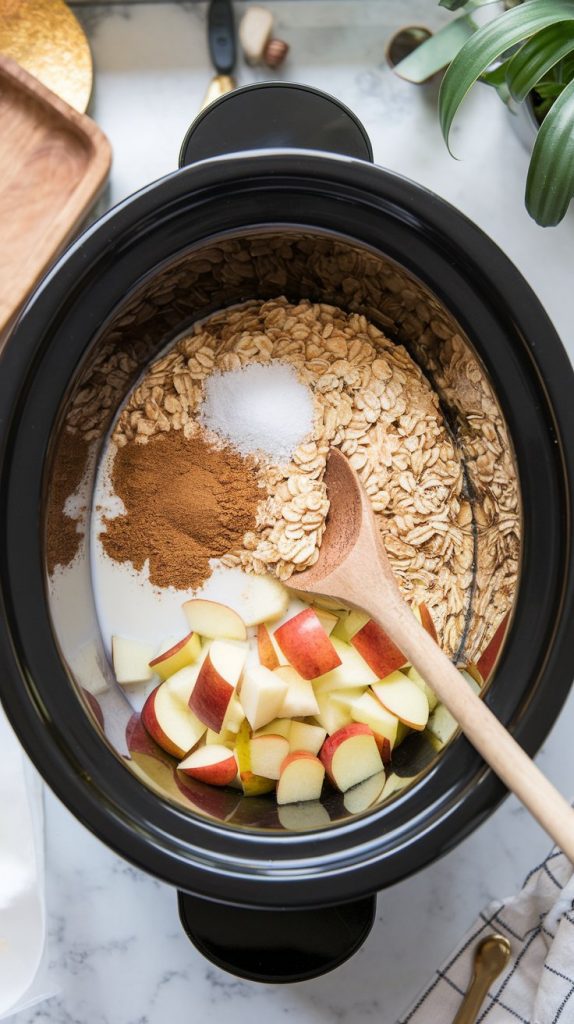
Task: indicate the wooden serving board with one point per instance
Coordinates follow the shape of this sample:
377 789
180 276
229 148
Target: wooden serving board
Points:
53 163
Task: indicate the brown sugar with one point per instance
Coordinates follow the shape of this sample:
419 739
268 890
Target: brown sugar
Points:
62 537
186 502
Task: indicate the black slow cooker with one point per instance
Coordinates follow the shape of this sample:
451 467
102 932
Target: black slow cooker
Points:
276 194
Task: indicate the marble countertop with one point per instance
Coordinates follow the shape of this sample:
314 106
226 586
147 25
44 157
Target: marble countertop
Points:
116 953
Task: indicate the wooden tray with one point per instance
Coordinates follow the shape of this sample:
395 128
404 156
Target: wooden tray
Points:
53 163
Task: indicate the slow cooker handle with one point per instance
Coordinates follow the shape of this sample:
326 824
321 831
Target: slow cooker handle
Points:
277 115
279 945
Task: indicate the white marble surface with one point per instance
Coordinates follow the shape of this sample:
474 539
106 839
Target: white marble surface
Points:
115 949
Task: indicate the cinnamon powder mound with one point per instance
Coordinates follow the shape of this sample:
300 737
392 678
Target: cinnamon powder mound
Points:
186 502
62 537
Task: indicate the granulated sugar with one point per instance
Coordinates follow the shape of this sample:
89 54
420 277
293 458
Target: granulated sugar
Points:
259 408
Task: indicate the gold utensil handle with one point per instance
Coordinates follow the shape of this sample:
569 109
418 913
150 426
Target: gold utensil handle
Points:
490 959
216 88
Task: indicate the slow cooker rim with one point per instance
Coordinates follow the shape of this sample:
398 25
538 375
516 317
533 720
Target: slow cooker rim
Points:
496 789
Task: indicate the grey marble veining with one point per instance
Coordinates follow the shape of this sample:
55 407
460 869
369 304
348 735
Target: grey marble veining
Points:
115 948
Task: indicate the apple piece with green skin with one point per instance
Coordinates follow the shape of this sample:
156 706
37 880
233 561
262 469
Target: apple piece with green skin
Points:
299 817
422 613
378 650
170 723
252 784
487 660
412 674
441 727
403 698
131 660
363 795
304 736
216 682
214 764
350 624
261 695
184 653
331 715
301 778
306 645
266 649
351 755
213 620
352 672
267 754
262 599
299 700
327 619
279 727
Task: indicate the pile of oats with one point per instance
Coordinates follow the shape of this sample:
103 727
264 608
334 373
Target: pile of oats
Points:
373 402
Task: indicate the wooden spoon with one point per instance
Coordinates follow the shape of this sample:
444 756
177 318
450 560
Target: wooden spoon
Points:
353 567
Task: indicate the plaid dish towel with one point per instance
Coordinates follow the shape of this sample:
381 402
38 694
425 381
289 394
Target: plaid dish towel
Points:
537 987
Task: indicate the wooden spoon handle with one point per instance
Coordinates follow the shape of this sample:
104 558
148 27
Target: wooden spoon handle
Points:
485 732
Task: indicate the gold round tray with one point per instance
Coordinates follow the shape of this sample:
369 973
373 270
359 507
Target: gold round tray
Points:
46 38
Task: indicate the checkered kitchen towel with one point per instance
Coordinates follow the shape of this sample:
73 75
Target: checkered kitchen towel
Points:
537 987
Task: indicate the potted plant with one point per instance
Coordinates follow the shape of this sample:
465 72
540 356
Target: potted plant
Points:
527 54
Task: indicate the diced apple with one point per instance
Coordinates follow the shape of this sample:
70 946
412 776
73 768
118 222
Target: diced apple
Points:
300 817
214 764
213 620
170 723
378 650
261 695
301 778
183 653
266 649
350 624
423 614
368 710
267 754
412 674
252 784
362 796
331 716
299 700
488 657
225 738
347 697
394 784
403 698
181 684
352 672
279 727
131 660
234 715
351 755
303 736
331 604
441 726
327 619
262 599
306 645
470 679
402 732
473 672
216 682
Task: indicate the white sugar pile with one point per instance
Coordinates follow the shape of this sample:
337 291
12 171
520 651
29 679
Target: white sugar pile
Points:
259 408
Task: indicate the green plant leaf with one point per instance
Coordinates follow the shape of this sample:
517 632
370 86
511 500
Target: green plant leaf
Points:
438 51
549 89
550 182
537 56
469 5
488 44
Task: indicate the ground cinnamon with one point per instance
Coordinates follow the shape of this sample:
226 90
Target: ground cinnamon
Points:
186 502
68 467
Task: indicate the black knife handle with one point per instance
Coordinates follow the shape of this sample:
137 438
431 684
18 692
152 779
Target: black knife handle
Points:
221 35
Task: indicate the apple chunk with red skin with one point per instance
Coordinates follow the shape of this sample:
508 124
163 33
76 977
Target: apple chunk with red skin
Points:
214 621
301 778
170 722
351 755
265 648
215 764
216 682
306 645
485 663
179 656
378 650
403 698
